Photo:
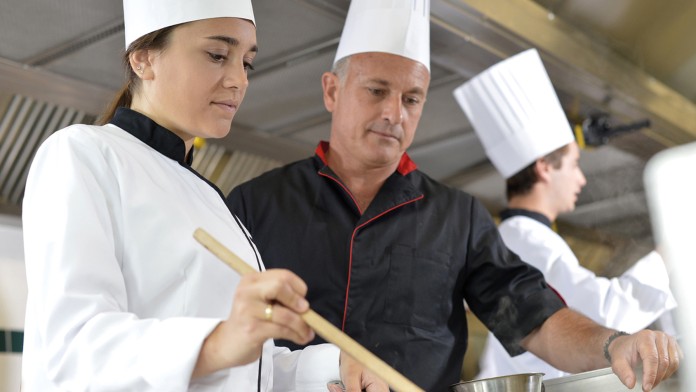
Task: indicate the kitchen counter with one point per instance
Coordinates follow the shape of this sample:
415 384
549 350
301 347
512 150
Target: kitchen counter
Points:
602 380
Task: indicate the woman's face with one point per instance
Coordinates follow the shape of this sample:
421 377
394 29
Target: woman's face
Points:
196 84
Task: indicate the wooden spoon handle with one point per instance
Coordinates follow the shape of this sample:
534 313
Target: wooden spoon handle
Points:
320 325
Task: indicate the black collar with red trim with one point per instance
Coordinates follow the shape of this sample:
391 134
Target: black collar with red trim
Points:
406 165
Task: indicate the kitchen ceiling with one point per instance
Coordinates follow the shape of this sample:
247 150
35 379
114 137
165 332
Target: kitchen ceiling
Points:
630 59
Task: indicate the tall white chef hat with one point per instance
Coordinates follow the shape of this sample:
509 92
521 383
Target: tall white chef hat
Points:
400 27
145 16
515 112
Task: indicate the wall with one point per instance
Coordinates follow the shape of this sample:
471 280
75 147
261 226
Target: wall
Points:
13 294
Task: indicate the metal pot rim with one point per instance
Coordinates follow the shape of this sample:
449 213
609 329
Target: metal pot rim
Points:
532 376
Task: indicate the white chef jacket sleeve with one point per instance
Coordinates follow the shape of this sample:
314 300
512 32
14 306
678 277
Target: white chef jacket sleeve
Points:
650 270
306 370
629 302
79 329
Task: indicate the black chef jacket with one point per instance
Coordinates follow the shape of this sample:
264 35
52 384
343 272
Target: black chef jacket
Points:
395 276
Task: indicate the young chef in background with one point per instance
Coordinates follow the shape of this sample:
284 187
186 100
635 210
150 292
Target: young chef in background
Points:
518 118
121 297
389 254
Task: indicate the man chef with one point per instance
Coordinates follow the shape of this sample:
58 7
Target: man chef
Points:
388 253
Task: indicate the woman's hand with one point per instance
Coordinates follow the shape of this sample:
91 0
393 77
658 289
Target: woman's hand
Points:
267 305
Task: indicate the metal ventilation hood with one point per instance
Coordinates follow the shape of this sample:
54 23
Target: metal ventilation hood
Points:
630 59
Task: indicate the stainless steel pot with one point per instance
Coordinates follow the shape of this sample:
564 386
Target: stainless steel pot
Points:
526 382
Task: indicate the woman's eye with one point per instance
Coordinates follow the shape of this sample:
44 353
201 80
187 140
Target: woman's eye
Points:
217 57
248 67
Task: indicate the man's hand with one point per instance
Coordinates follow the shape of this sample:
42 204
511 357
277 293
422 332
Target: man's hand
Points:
658 352
356 378
569 331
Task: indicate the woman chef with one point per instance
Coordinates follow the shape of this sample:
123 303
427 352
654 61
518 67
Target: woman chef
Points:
121 297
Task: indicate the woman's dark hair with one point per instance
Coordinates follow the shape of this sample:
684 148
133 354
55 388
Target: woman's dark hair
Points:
523 181
157 40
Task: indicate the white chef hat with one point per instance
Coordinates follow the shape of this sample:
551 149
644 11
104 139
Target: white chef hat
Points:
145 16
515 112
400 27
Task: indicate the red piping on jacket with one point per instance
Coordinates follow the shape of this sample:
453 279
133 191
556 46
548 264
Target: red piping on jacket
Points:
558 294
350 262
406 165
344 188
352 239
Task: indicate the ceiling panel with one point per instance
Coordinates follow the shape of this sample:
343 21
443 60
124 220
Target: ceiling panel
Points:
683 78
310 135
650 34
277 100
284 26
602 56
29 28
442 117
99 63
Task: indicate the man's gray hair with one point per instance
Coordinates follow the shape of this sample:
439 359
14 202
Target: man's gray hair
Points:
340 69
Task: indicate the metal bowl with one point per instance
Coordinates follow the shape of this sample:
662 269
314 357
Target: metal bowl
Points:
526 382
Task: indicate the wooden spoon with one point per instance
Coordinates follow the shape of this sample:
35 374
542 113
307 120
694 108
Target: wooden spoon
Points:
320 325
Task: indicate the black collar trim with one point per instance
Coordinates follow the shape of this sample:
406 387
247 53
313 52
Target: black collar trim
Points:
159 138
154 135
511 212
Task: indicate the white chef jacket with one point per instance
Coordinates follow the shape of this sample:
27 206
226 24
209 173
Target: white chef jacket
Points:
121 296
629 303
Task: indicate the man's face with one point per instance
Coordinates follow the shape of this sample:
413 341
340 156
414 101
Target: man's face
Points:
568 180
376 107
